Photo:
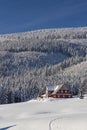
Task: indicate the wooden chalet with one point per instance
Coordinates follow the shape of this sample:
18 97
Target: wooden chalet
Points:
60 91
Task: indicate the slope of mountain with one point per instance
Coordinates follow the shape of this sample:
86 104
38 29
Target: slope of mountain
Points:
29 61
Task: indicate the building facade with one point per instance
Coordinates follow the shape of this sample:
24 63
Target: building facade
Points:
60 91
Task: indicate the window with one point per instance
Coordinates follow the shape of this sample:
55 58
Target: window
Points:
58 96
54 96
61 91
63 96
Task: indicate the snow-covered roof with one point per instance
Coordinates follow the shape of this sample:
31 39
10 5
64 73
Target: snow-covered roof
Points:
54 88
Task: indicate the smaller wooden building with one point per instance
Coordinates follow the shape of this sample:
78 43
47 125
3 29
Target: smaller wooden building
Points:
59 91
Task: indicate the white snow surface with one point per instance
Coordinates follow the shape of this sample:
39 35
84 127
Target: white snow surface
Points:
45 114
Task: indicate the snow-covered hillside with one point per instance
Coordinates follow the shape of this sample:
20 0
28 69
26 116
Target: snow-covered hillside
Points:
47 114
32 60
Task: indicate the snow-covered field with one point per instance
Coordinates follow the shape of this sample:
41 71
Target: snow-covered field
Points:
47 114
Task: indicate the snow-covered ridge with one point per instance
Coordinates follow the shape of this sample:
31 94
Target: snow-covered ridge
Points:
61 32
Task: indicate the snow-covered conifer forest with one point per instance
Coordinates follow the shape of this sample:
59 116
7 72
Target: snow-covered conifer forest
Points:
29 61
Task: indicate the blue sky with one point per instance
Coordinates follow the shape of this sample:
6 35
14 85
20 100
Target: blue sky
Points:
27 15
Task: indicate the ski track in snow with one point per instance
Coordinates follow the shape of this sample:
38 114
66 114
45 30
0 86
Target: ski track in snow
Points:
50 124
57 123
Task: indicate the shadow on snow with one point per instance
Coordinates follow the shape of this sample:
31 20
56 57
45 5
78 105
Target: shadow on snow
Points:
6 128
